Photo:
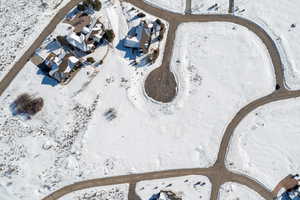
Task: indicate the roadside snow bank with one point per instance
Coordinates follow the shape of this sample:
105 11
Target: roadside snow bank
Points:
282 18
266 143
186 187
231 191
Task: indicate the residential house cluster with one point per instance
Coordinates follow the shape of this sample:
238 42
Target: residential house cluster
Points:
64 54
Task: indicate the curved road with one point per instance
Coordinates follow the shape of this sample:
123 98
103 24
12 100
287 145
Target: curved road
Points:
218 174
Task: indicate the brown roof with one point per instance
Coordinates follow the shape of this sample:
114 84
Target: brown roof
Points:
79 22
64 64
144 40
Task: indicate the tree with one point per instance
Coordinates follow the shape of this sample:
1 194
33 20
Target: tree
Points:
97 5
81 7
140 15
27 104
109 35
34 106
90 60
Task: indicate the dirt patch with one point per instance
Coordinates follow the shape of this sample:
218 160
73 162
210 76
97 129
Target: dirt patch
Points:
161 85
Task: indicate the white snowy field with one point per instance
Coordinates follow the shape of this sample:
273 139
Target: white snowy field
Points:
116 192
21 22
281 19
186 187
265 145
235 191
177 6
71 139
144 136
210 6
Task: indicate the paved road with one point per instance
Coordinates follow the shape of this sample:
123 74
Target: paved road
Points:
218 174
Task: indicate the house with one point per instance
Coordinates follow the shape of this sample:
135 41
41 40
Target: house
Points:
46 58
140 39
63 70
78 40
85 38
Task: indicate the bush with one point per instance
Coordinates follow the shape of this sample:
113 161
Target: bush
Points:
90 60
109 35
26 104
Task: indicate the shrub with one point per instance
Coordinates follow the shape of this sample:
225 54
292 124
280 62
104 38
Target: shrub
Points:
90 60
109 35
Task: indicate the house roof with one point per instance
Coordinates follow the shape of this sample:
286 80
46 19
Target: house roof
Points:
73 59
141 39
79 22
132 42
78 41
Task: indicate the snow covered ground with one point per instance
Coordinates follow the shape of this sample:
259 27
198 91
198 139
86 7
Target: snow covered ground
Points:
21 22
281 19
200 112
187 187
266 144
171 5
210 6
72 139
117 192
218 68
235 191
